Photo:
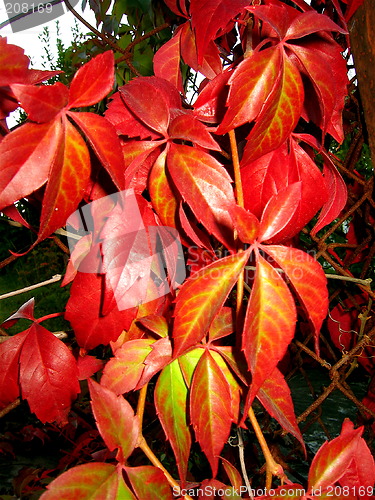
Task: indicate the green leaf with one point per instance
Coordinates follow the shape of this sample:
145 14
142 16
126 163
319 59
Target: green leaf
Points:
171 405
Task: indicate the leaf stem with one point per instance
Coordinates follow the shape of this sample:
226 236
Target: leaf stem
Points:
155 461
141 404
236 168
272 467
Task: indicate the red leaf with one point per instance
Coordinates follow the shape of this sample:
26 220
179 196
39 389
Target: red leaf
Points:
222 325
115 419
68 178
308 279
105 143
279 116
87 366
279 212
159 357
9 375
91 328
150 98
167 62
269 324
310 22
93 81
338 195
162 196
48 375
171 405
187 127
149 482
13 63
333 459
210 66
269 174
201 297
250 86
275 396
206 186
88 481
360 477
210 408
25 158
211 16
234 476
123 372
41 103
210 104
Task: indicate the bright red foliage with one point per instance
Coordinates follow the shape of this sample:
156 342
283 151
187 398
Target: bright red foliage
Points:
175 158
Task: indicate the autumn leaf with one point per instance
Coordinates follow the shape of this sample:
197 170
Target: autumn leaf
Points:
210 408
171 399
87 481
115 419
269 324
201 297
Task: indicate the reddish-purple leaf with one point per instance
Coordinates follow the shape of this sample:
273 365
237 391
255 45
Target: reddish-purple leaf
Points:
210 408
201 297
115 419
149 482
89 481
279 211
93 81
48 375
90 326
41 103
250 86
308 279
269 324
68 178
26 155
105 143
333 459
171 405
123 372
206 186
275 396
